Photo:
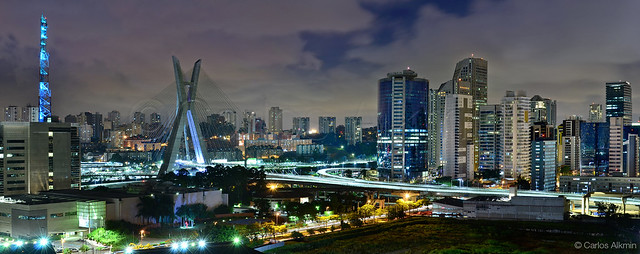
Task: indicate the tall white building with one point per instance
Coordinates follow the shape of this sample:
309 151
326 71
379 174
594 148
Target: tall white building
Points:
516 138
353 129
595 113
457 137
249 122
230 116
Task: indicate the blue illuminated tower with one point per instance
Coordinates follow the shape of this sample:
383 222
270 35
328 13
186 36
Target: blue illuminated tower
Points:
185 126
45 93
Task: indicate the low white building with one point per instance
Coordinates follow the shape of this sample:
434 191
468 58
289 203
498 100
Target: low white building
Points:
32 216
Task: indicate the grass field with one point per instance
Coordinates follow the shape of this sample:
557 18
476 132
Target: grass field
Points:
441 235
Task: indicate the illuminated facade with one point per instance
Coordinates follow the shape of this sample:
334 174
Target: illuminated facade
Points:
45 93
402 125
618 96
516 138
185 121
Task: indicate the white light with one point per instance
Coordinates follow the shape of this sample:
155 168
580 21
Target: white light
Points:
174 246
128 250
6 244
201 243
44 241
184 245
19 243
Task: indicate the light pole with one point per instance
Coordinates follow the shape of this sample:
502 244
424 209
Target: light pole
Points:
141 235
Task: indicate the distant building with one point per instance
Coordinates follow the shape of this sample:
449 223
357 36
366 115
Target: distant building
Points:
71 119
631 156
34 216
114 117
30 113
490 161
301 125
543 157
618 96
595 113
594 148
516 135
309 149
249 122
138 118
230 116
327 125
12 114
155 118
402 125
457 142
353 129
571 142
543 110
261 126
275 120
38 157
616 145
287 145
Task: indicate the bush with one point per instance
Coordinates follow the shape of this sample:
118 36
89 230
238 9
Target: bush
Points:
223 209
321 230
297 235
344 225
311 231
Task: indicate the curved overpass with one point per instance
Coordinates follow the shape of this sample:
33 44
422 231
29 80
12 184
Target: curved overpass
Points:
327 178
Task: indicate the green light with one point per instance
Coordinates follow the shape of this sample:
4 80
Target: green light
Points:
236 240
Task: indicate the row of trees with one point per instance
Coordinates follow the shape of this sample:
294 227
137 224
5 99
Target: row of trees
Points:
242 184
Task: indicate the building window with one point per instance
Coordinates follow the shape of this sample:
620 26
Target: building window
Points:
56 215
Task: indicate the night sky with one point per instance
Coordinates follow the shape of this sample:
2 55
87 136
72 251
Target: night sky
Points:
315 58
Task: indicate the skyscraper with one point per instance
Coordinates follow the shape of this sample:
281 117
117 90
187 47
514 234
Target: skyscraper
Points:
275 120
457 142
543 157
230 116
595 113
301 125
471 77
402 124
616 145
44 96
619 101
594 148
155 118
571 142
490 140
327 124
353 129
138 117
543 110
516 136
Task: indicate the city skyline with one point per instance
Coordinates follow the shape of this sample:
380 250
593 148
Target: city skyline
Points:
323 59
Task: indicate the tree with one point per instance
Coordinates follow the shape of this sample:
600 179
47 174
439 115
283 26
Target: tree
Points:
606 209
297 235
159 207
366 211
311 231
264 208
565 170
85 248
192 212
396 212
523 184
106 237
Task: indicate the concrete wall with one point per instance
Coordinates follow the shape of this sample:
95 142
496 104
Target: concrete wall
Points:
518 208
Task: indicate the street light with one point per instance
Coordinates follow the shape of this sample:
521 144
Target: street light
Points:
277 214
141 235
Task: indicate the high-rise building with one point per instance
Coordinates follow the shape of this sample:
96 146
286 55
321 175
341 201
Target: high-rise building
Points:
249 122
471 77
230 117
138 117
44 95
353 129
301 125
70 119
275 120
327 124
571 142
114 117
402 125
490 162
12 114
30 114
543 157
155 118
516 135
619 101
261 126
543 110
595 113
38 157
616 146
594 148
457 141
631 159
98 127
